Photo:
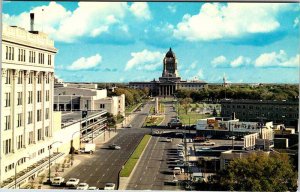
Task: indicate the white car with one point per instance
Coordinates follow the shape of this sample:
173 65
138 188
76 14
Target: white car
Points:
82 186
208 143
114 146
72 182
168 139
93 188
109 186
177 170
57 180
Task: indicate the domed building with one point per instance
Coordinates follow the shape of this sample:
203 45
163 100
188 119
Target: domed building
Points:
170 81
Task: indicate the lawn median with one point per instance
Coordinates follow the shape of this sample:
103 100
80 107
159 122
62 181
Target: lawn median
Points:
130 164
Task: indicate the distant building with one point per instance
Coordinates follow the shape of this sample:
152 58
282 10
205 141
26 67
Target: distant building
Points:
170 81
78 97
286 112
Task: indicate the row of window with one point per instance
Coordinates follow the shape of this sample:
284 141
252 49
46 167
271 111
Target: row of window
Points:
29 98
20 77
7 144
269 115
10 53
260 107
7 119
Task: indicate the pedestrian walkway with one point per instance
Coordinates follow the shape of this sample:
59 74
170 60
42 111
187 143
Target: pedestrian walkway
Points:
100 140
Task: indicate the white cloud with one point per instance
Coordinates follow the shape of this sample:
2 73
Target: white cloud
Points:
191 67
199 75
217 21
172 8
274 59
145 60
296 22
218 61
89 19
141 10
240 61
86 63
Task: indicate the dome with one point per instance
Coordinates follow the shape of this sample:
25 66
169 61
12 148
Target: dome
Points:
170 53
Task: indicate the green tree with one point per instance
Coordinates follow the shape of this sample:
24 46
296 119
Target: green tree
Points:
258 172
186 104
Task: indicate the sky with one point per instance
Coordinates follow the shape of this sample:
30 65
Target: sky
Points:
123 41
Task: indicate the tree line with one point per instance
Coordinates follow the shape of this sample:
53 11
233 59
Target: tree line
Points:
132 96
263 92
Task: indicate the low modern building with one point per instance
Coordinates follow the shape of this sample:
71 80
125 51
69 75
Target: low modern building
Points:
286 112
218 127
170 81
79 97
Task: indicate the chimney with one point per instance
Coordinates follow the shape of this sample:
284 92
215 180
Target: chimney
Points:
31 21
233 116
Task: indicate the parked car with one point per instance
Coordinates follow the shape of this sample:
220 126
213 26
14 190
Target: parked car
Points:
177 170
82 186
72 182
114 146
231 137
168 139
93 188
57 181
208 143
109 186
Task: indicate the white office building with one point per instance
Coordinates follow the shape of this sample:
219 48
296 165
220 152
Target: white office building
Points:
26 99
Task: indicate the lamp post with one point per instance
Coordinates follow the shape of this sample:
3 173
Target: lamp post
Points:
49 148
72 147
16 170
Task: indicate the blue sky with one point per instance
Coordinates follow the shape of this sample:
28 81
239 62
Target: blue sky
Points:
122 42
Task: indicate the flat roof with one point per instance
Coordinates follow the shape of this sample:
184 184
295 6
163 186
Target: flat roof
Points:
74 116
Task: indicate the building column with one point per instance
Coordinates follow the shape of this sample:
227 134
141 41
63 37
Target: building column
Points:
34 99
25 95
169 90
13 104
51 102
159 90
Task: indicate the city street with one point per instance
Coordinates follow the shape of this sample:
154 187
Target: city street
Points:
104 165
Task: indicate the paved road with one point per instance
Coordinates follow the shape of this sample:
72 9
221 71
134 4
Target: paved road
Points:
154 169
104 165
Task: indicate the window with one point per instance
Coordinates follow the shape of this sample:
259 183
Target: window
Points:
39 115
29 117
47 95
39 78
8 78
47 79
30 79
19 120
7 99
20 77
33 57
7 122
39 134
30 57
30 138
41 151
39 96
41 58
19 141
19 101
47 113
47 131
49 59
29 97
102 106
9 53
7 146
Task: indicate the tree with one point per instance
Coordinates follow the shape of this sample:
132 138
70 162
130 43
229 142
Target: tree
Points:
215 114
258 172
186 104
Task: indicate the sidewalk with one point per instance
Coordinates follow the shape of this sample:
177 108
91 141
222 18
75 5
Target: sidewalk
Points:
99 141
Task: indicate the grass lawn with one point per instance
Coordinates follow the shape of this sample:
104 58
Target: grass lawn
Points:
153 121
130 109
192 116
128 167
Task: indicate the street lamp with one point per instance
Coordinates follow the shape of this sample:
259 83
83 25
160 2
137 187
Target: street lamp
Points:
49 149
72 147
16 170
